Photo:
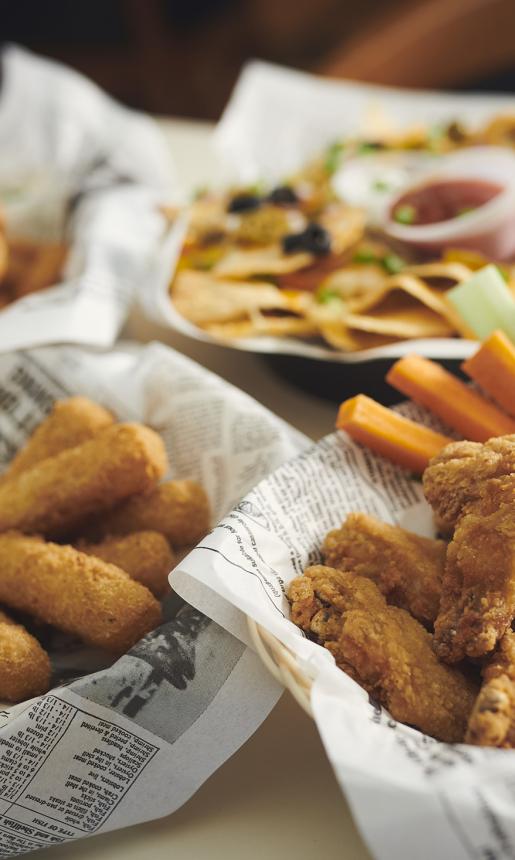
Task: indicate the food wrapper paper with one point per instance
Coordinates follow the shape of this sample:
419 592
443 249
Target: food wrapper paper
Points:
411 795
77 167
113 745
276 120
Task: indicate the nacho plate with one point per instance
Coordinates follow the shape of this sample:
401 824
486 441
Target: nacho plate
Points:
252 249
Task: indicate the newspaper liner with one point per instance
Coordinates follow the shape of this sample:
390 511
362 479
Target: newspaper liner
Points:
65 145
275 121
134 740
411 795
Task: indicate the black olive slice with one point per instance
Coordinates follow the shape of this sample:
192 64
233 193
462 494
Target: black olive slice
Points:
244 203
314 239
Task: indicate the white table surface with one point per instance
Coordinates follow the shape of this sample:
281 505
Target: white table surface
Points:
277 796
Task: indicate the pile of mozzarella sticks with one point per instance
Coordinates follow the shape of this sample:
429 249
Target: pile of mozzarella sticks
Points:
87 537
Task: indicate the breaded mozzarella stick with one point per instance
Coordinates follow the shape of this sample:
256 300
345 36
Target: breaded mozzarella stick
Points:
71 422
57 493
75 592
24 665
146 556
177 509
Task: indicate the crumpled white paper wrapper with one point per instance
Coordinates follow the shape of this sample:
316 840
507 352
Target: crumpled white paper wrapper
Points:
412 796
75 165
275 121
113 745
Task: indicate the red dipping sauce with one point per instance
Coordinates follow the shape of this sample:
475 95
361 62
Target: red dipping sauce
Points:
443 201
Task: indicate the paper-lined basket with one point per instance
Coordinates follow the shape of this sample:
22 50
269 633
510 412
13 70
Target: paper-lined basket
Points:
411 795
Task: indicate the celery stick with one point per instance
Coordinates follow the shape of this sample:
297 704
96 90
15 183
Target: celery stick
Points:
485 303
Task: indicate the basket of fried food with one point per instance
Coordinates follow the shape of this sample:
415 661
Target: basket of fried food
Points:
424 624
88 534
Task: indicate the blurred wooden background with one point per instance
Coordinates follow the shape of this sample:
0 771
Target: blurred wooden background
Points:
181 57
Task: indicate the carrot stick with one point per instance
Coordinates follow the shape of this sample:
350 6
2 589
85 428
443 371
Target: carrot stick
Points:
383 431
493 368
461 407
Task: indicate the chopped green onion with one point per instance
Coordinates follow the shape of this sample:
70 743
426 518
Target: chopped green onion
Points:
503 273
393 263
380 185
466 211
200 192
326 294
436 133
257 188
485 303
365 255
369 146
404 214
333 157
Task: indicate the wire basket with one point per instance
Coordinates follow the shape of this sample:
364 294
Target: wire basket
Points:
281 662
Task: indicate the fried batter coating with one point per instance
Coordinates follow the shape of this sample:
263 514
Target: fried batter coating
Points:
24 665
177 509
75 592
406 568
384 649
71 422
455 476
146 556
492 722
59 492
478 590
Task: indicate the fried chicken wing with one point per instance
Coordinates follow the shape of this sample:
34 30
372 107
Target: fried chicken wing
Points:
455 476
384 649
478 591
406 568
492 722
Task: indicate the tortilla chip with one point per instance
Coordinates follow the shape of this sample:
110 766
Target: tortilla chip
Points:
268 260
260 326
500 130
342 338
359 286
203 299
365 288
207 215
450 270
431 297
473 260
377 123
345 224
399 317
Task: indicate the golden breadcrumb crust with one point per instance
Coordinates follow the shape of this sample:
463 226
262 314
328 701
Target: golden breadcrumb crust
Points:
177 509
406 568
24 665
56 494
146 556
71 422
75 592
384 649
